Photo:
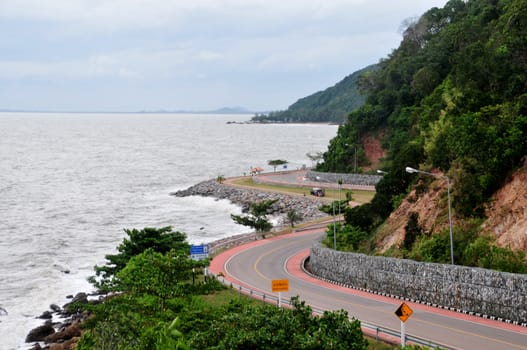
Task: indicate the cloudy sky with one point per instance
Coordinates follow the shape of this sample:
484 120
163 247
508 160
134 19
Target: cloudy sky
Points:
131 55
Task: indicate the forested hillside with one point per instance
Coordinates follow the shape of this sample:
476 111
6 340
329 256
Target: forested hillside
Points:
452 100
330 105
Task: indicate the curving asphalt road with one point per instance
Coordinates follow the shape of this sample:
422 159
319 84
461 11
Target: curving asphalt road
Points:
255 264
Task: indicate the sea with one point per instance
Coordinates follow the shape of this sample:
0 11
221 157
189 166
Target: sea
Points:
70 183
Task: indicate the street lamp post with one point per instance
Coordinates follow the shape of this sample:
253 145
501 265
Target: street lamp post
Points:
334 224
413 171
334 229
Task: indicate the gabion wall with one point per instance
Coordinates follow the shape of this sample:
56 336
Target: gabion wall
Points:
476 291
354 179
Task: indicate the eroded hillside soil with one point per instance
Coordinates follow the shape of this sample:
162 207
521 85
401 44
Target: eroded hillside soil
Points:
506 213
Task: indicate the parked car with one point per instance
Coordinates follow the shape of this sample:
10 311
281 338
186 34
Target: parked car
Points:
317 191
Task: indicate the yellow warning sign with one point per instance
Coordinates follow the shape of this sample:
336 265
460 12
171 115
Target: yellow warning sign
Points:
280 285
404 312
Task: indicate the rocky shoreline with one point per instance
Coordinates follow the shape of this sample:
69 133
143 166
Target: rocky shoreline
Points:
307 206
62 335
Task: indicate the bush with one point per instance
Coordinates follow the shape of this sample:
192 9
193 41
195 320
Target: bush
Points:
349 238
267 327
435 248
483 253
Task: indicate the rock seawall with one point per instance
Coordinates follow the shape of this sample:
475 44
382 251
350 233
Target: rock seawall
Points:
307 206
473 290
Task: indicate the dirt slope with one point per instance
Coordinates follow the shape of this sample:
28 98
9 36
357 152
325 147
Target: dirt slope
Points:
506 213
432 207
373 149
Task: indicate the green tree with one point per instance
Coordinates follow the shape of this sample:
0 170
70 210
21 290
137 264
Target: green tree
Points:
315 157
160 240
257 217
164 276
276 162
412 230
293 217
349 238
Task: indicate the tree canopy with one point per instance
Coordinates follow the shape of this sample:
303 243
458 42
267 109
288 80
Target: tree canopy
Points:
257 217
161 240
276 162
451 97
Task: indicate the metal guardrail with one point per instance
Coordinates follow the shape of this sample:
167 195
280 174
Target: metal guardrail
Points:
379 331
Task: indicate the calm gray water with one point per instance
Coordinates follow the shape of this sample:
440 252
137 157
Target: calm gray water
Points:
69 184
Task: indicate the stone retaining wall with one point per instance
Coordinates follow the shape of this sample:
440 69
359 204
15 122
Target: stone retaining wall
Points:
353 179
472 290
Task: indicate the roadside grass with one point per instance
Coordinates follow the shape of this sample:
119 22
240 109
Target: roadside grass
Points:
225 296
379 345
359 196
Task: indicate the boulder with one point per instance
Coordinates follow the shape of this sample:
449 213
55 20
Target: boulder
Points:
67 345
40 333
81 298
46 315
69 332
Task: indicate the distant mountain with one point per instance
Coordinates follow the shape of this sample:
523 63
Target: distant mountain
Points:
223 110
231 110
331 105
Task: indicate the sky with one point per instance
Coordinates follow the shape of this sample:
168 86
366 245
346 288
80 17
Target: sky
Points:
151 55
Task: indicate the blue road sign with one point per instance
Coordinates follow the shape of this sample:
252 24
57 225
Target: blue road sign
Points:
199 252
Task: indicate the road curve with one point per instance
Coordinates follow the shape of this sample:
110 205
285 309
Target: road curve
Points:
255 264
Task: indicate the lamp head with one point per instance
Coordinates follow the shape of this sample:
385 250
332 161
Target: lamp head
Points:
411 170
